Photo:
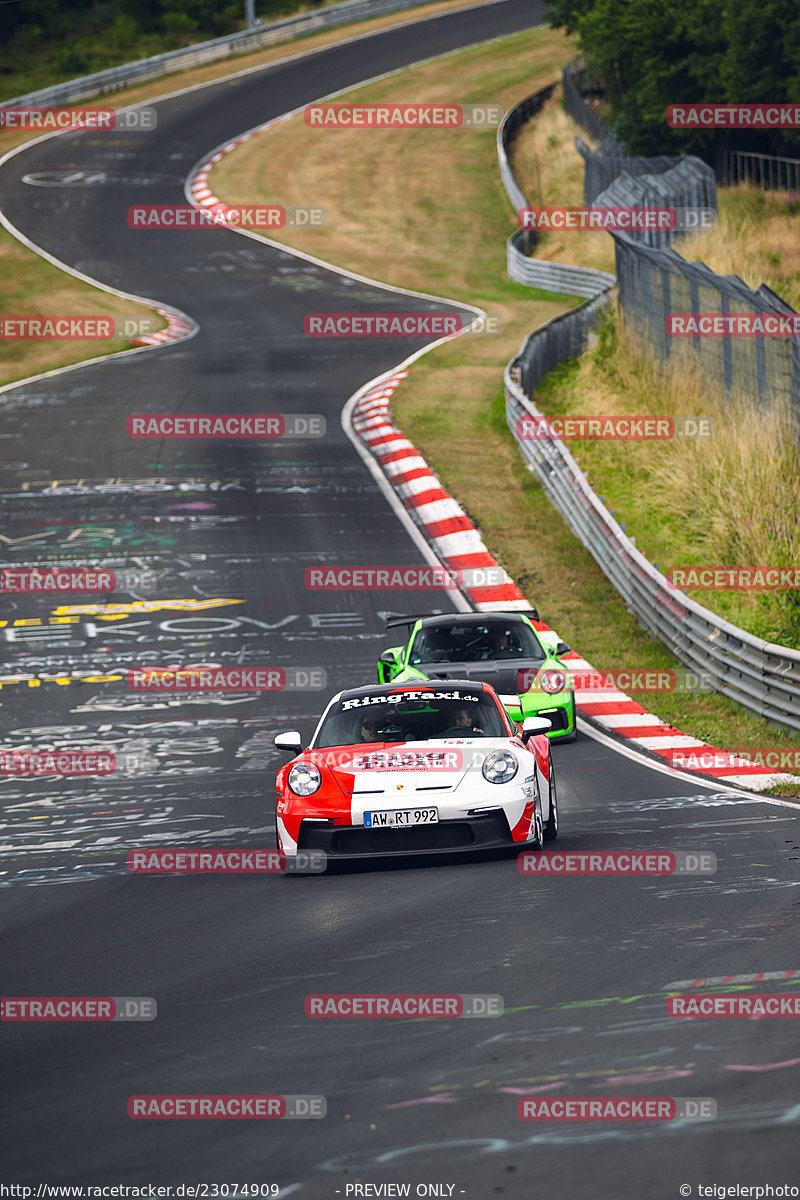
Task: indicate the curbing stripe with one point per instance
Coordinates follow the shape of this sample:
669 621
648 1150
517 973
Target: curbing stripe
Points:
455 537
462 547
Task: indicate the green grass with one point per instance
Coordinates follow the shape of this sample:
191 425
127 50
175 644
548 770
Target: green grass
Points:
451 406
728 500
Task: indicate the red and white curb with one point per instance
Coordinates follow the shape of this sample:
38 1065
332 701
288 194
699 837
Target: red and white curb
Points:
178 327
442 522
197 188
458 545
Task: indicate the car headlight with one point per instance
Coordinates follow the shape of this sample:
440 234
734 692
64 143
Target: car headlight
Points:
500 766
553 681
304 779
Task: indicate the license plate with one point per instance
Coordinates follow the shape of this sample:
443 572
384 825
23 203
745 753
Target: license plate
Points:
397 817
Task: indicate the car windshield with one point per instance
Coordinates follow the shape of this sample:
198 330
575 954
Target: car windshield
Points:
475 642
411 716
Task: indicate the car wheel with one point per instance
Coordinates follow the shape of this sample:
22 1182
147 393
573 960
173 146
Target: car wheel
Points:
551 828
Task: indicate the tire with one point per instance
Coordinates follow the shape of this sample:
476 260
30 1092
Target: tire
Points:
551 828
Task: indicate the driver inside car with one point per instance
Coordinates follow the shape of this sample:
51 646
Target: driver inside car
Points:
462 724
377 728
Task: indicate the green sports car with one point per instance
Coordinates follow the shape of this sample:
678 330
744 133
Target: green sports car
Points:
503 649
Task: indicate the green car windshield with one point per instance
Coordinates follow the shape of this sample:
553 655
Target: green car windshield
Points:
411 716
475 642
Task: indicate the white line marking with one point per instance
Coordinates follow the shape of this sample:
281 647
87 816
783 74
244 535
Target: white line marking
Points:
713 785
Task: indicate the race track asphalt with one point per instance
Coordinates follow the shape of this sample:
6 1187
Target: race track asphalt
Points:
583 964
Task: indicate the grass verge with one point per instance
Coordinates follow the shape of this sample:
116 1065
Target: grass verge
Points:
31 286
726 500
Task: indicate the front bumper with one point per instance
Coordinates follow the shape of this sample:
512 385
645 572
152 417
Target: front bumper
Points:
486 831
559 711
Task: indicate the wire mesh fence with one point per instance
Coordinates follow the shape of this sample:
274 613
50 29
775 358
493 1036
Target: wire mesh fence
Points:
767 171
653 283
659 291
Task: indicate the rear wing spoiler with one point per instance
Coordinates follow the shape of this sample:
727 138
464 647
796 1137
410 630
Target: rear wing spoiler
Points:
411 619
392 622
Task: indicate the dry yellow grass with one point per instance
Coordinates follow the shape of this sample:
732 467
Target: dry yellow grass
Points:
549 170
450 406
730 499
31 287
406 206
755 238
155 88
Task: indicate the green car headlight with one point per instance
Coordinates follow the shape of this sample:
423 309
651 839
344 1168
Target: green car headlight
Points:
553 681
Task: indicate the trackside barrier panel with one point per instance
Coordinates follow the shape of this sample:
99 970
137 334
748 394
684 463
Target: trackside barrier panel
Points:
245 42
761 676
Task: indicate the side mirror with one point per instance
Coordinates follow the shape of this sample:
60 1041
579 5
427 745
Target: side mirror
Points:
388 663
562 648
532 725
290 741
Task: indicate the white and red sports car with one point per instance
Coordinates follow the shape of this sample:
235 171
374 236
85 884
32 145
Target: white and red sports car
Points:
414 769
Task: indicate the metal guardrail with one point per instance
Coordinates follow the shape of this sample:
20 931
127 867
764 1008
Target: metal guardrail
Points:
764 678
761 676
563 337
248 40
552 276
537 272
